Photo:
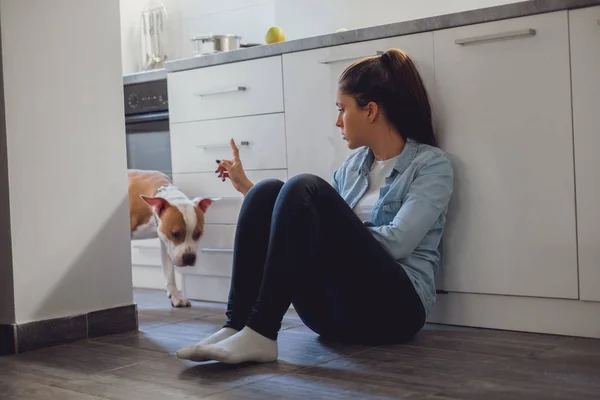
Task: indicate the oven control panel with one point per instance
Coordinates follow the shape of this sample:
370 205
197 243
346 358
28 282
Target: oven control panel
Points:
146 97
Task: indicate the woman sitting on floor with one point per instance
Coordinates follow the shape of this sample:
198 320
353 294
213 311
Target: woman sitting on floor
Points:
357 257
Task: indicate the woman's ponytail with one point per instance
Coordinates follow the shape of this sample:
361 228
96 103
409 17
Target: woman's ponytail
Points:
393 82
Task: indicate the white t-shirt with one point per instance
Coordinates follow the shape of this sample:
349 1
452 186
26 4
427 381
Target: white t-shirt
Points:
379 171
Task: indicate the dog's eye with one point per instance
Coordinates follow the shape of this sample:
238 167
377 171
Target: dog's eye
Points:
176 235
196 235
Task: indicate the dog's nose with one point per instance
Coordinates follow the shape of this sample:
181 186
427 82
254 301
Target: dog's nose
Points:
189 259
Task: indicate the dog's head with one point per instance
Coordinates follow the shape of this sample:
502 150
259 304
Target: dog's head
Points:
180 226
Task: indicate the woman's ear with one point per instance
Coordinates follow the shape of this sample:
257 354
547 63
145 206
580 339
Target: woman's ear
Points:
372 111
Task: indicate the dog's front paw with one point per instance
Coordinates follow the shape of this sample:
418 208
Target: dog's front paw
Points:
178 302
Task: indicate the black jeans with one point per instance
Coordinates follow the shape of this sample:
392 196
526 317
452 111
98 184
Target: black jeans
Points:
300 243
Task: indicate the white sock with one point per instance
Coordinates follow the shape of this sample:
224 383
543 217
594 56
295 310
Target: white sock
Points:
245 346
189 352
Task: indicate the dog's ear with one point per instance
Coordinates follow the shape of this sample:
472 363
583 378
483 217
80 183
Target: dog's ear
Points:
202 203
158 204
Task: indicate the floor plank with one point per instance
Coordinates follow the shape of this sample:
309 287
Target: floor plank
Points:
577 351
174 378
35 391
301 387
154 309
78 360
504 343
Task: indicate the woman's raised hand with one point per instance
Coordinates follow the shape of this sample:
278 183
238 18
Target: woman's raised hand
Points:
234 170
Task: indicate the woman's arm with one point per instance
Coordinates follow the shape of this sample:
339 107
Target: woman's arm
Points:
334 181
427 197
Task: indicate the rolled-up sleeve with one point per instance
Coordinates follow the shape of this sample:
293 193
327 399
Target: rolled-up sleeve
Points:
427 197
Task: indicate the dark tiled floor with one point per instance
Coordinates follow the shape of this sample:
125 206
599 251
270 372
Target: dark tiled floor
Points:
440 363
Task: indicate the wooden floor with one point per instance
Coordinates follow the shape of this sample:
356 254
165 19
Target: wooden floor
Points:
441 363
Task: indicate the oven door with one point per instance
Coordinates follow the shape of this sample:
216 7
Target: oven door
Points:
149 142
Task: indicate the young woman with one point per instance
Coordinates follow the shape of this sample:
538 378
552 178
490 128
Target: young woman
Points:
357 257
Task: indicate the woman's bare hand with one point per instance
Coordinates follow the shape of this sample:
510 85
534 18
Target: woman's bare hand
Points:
234 170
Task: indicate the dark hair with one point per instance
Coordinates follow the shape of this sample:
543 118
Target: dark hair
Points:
392 81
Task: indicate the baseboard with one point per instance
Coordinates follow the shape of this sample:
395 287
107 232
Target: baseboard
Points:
7 339
513 313
19 338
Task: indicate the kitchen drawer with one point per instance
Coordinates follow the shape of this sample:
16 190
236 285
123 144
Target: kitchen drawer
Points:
206 184
146 252
261 139
206 288
223 91
215 252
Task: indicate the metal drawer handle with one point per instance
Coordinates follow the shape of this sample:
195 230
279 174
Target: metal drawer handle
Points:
496 36
141 247
219 146
221 91
218 198
332 60
217 250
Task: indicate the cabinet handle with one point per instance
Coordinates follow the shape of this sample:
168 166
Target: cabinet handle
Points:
332 60
141 247
496 36
221 91
218 146
217 198
217 250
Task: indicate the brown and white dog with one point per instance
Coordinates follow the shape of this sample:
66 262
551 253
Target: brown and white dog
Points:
158 209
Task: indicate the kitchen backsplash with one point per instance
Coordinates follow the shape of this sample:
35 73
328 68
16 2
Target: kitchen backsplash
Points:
251 19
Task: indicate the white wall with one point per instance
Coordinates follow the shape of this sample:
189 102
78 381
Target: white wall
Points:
317 17
187 18
66 156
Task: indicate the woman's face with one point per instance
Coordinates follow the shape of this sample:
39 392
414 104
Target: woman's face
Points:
352 120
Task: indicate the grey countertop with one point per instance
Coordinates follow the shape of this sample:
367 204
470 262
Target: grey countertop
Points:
146 76
470 17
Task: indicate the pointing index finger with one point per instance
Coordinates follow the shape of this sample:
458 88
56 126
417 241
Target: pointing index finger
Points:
236 151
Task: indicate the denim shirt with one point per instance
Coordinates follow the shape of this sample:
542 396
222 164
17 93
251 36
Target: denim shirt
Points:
409 217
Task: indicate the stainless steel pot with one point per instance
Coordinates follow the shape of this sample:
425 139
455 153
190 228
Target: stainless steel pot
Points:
227 42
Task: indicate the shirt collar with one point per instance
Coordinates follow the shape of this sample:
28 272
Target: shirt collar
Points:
406 157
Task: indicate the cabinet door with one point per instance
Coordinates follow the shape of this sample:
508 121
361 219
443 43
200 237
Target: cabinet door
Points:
504 102
314 143
585 68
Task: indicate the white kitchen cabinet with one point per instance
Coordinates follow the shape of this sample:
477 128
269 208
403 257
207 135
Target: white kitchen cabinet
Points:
314 143
505 119
585 70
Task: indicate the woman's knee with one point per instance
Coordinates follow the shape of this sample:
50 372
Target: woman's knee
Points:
266 188
306 180
305 183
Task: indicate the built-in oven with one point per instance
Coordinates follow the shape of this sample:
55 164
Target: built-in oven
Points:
147 126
